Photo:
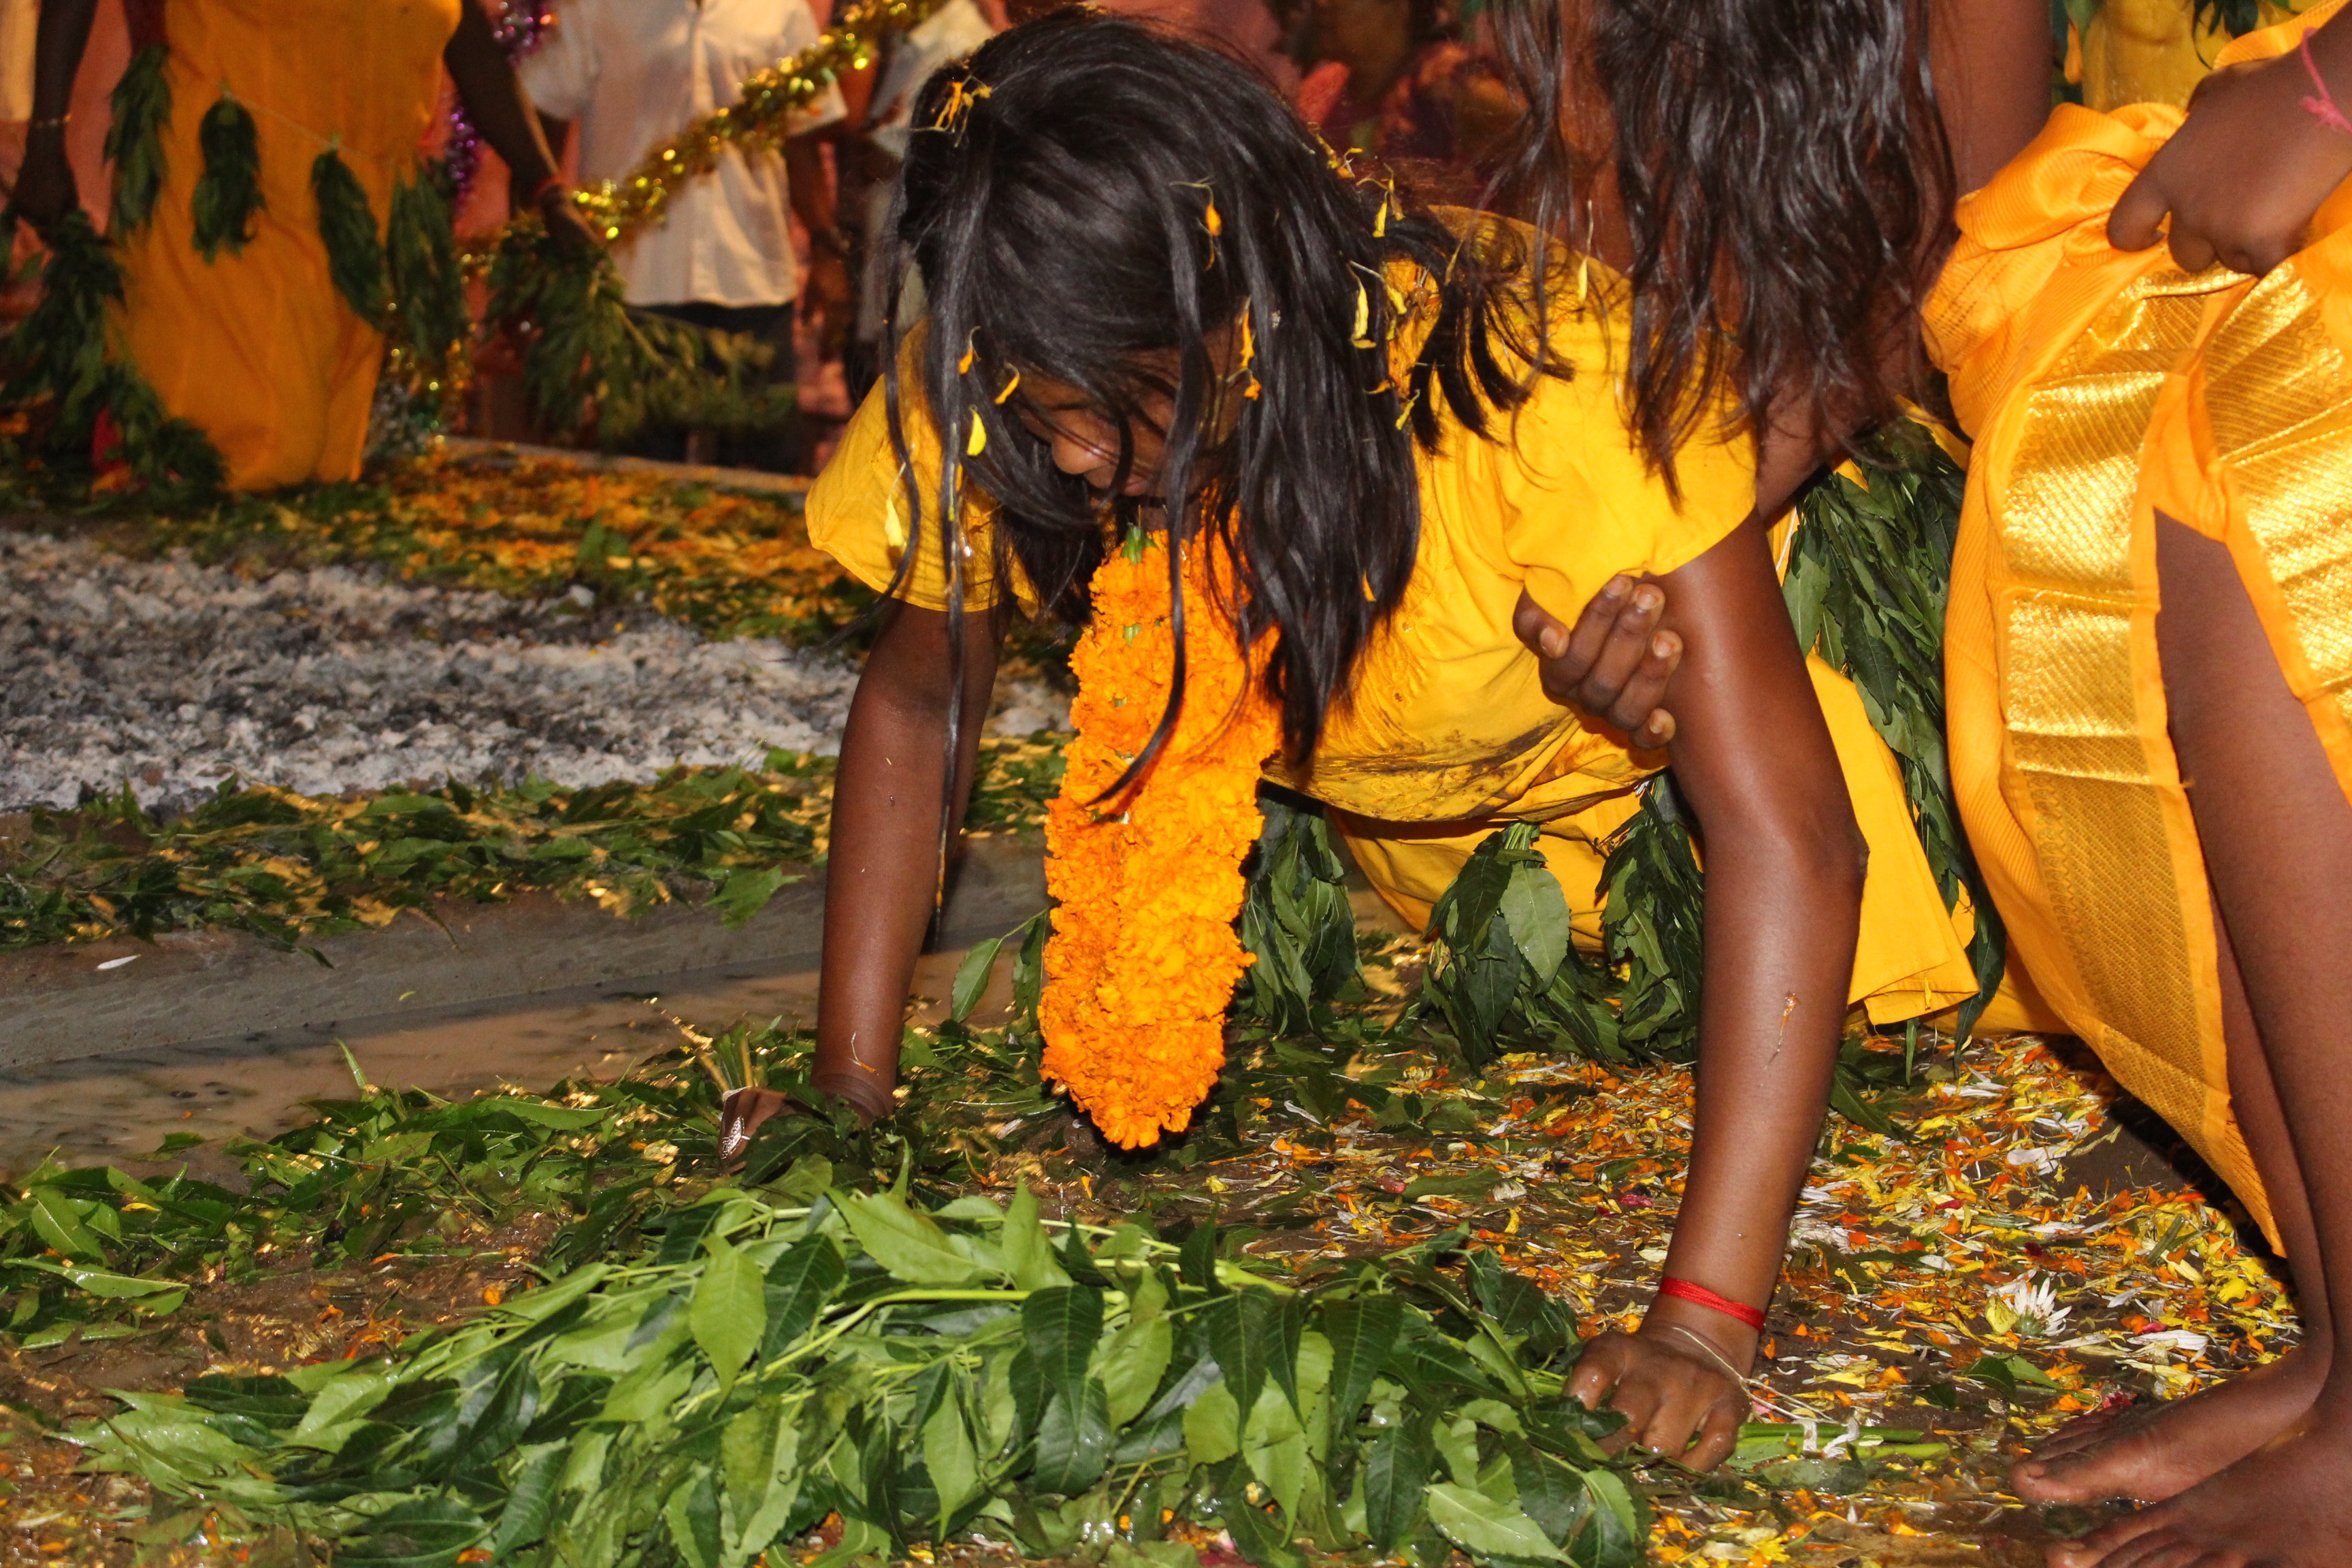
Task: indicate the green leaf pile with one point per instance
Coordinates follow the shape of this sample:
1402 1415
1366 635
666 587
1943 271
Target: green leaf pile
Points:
291 868
920 1374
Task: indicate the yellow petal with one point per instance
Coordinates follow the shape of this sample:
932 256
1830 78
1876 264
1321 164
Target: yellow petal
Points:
1363 319
978 441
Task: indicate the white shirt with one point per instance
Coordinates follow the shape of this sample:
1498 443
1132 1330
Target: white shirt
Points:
950 33
631 74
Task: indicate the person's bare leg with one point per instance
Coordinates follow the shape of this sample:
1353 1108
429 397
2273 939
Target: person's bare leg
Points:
2277 837
2149 1452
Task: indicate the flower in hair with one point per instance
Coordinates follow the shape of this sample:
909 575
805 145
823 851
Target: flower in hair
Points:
963 92
1144 957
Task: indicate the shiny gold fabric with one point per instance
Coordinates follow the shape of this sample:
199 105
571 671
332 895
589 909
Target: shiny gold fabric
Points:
2105 388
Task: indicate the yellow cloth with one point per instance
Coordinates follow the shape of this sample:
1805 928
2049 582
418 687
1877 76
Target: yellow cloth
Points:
2101 387
257 349
1446 733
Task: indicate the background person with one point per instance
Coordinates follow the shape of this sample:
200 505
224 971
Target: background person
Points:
630 74
254 344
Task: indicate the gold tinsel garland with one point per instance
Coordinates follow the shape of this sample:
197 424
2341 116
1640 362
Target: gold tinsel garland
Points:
619 208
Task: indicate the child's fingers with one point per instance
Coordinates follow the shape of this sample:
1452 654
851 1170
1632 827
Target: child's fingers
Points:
2191 251
2138 220
1719 1434
1637 708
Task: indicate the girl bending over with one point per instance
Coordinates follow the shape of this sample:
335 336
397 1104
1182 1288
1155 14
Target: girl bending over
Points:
1173 349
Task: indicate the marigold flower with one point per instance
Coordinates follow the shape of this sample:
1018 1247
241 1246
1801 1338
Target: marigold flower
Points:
1143 959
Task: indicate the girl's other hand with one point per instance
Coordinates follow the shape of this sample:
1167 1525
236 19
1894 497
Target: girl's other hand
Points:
1674 1384
2243 175
1615 665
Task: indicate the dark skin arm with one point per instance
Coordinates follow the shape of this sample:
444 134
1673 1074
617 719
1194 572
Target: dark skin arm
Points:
1991 61
1991 65
883 871
1784 870
495 101
824 293
2249 118
45 190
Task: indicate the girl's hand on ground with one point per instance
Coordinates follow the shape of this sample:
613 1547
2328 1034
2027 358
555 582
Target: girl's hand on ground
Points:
2242 176
1679 1401
1615 665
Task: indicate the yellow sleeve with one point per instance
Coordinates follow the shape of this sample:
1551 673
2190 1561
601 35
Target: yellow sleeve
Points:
1580 505
858 509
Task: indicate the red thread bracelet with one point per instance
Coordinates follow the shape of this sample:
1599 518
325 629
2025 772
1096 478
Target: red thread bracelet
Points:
1699 1295
2321 108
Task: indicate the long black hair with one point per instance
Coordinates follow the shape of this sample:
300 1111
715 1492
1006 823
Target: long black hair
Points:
1783 170
1089 196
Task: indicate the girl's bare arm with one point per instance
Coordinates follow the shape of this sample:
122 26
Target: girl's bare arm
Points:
1784 869
882 875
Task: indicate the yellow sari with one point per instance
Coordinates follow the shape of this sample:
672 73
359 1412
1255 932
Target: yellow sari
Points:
1446 734
2103 387
257 349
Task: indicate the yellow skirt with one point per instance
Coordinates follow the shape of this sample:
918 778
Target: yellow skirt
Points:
257 349
1912 959
2104 387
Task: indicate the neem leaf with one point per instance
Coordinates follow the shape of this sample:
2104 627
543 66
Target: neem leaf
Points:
971 974
1363 1331
1274 1446
728 1314
1256 1537
1213 1426
1395 1478
530 1497
1486 1529
1072 1441
902 1241
99 1282
744 891
1618 1534
1551 1495
949 1455
1027 1256
1133 1361
1060 1326
56 1223
1246 1333
798 1285
1197 1260
423 1532
1537 912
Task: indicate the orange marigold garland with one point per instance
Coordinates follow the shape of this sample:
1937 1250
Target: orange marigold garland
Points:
1144 957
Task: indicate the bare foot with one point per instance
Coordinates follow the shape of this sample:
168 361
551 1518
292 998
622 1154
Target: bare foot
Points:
2286 1505
2151 1452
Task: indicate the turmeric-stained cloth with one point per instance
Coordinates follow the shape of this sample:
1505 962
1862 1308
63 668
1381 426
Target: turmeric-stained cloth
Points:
2102 387
1446 734
257 349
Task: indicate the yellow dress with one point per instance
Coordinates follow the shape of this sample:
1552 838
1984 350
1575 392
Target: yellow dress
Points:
257 349
2103 387
1446 733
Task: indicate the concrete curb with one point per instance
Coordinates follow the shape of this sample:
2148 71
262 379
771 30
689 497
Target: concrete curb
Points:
87 999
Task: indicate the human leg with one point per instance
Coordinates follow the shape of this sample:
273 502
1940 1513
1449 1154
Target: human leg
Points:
2276 831
2152 1452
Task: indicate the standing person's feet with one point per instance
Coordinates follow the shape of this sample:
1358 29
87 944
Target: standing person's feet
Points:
2148 1453
2286 1505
